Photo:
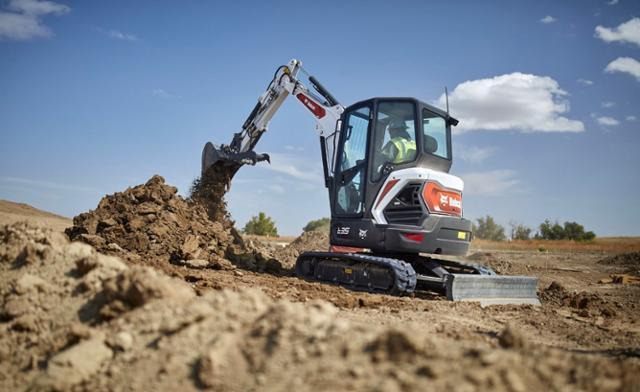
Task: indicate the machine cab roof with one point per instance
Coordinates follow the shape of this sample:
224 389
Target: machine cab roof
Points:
401 132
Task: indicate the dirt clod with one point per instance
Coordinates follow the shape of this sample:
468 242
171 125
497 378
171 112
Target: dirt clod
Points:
75 364
511 337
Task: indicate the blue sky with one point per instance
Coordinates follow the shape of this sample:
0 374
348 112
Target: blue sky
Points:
97 96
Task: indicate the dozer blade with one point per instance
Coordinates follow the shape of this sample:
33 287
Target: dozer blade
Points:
492 289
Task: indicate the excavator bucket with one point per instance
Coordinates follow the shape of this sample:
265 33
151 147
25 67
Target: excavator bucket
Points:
492 289
224 158
211 155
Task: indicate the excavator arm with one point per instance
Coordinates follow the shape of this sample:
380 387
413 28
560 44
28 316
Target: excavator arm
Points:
325 109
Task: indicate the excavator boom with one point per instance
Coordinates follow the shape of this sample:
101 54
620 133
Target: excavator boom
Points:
285 82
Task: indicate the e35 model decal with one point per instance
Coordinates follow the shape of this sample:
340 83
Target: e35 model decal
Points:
343 230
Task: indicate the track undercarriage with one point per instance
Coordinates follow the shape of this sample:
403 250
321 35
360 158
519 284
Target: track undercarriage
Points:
401 276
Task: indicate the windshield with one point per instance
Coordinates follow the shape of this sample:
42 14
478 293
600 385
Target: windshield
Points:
435 134
395 135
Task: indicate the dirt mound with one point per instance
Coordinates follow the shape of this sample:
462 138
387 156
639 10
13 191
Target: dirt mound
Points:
11 212
308 241
498 264
583 303
152 222
73 319
629 260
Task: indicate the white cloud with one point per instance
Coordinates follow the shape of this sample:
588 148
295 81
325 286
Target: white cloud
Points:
24 22
21 27
608 104
490 183
472 154
160 93
608 121
37 7
548 19
628 31
613 2
631 118
626 65
122 36
586 82
515 101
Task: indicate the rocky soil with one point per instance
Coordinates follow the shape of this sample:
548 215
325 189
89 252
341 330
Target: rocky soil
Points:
73 318
151 222
154 295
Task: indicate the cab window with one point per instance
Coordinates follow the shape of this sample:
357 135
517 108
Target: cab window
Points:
353 163
435 134
395 136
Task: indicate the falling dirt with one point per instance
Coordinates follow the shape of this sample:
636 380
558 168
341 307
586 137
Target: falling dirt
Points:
209 190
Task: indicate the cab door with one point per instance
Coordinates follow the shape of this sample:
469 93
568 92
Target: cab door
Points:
351 169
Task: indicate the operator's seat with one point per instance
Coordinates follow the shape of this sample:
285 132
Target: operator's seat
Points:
430 144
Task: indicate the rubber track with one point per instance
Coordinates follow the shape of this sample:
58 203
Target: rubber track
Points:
404 275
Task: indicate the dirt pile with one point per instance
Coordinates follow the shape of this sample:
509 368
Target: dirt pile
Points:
498 263
53 293
308 241
584 304
630 261
152 222
98 324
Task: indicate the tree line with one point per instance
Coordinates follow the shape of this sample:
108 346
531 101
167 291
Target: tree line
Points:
262 224
487 228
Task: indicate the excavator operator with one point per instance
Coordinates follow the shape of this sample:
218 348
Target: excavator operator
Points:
400 147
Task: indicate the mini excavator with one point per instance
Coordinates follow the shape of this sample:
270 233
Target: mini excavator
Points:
396 212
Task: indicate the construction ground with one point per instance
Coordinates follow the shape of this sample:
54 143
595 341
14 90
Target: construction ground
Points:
152 291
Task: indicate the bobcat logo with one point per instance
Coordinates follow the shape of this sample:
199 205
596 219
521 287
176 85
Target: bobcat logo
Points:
362 234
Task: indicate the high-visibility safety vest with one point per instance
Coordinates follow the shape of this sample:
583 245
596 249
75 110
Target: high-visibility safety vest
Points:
406 149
